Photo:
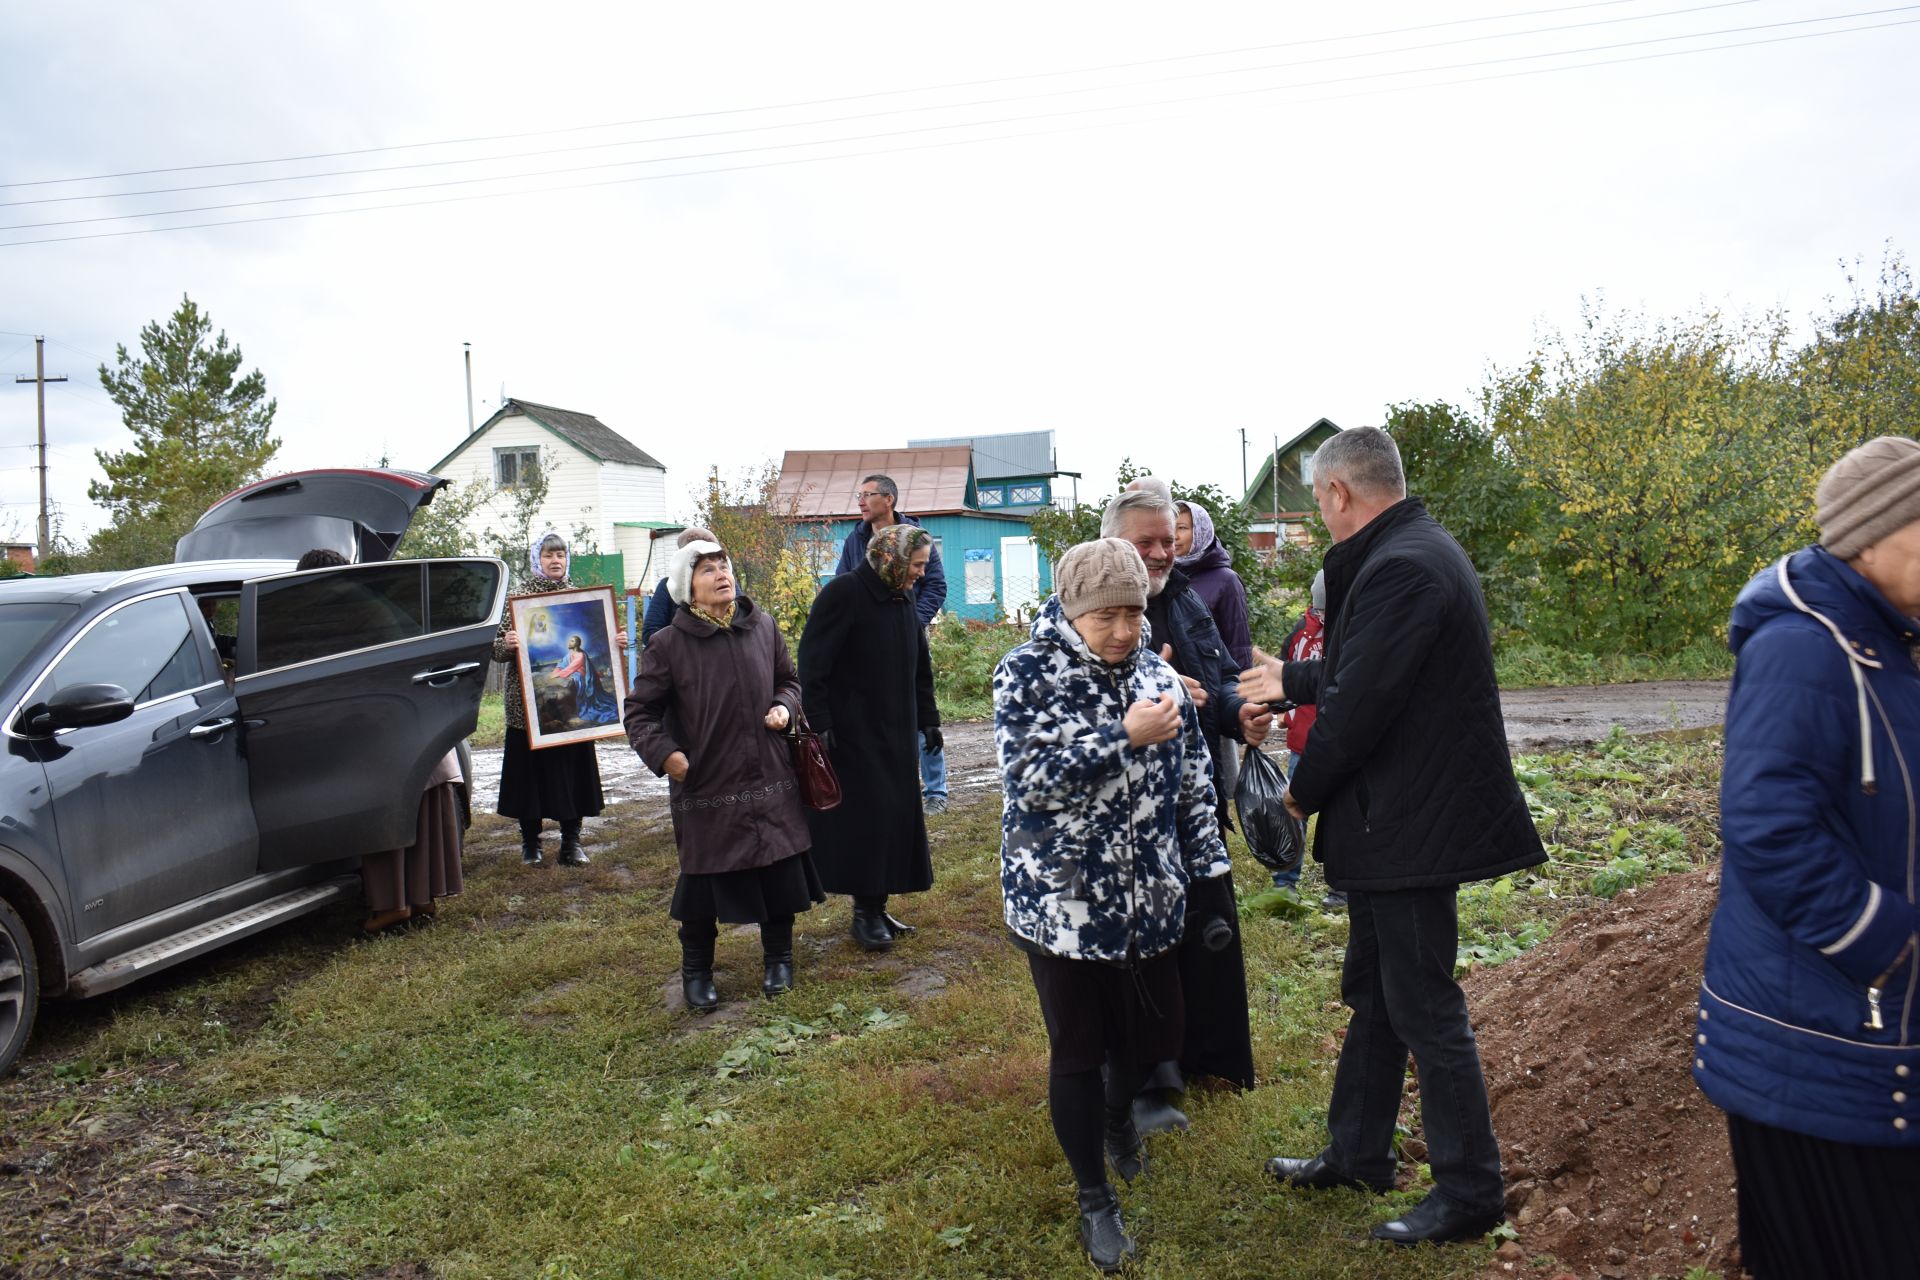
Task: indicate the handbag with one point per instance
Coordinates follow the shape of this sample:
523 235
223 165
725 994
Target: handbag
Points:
819 785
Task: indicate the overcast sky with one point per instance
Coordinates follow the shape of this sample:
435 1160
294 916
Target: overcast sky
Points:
1192 250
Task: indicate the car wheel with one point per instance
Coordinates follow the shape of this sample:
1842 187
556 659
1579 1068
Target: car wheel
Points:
19 986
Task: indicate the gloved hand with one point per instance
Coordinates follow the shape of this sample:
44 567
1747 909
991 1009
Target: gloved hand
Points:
934 740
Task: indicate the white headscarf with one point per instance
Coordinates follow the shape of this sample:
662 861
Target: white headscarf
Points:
533 552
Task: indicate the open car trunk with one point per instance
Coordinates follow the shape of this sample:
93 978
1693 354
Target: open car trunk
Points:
359 513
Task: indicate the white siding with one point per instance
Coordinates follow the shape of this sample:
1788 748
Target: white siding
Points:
573 489
631 492
634 545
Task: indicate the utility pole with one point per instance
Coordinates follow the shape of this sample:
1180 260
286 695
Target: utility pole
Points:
1243 464
469 347
40 381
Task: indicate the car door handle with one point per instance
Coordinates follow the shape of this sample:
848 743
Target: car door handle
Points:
211 729
445 675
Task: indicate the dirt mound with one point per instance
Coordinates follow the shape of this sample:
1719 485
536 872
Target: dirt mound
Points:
1617 1166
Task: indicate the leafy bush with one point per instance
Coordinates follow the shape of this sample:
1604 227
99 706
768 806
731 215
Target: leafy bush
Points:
964 656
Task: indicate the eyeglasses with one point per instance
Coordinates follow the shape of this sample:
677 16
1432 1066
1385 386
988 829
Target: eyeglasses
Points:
868 493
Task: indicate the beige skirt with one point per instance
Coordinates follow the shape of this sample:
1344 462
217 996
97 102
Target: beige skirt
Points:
428 868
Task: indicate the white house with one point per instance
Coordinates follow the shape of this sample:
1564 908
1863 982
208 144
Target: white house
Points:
595 477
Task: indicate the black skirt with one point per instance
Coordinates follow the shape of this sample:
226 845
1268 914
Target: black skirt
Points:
1810 1207
562 783
1094 1010
752 895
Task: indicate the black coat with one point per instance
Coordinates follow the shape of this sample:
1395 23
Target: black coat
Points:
1408 765
866 678
1198 651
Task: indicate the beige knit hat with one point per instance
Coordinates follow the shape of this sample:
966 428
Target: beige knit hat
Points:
1872 492
1102 574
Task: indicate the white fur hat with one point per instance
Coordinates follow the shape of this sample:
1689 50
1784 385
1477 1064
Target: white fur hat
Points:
680 568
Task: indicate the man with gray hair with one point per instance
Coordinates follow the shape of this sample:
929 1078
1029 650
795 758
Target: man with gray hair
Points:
1408 768
1218 1041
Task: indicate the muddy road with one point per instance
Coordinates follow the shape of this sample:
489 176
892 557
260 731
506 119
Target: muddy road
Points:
1537 720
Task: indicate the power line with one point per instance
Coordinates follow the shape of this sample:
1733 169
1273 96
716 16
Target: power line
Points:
922 129
819 102
1033 133
843 119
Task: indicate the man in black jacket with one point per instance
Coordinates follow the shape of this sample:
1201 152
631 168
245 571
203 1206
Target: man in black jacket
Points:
1409 771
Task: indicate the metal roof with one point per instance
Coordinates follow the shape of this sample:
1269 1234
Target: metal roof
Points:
996 457
822 482
582 430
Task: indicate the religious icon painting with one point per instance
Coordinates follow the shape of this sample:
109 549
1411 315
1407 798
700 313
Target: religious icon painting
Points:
569 669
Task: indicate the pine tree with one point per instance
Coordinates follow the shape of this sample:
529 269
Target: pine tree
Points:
200 431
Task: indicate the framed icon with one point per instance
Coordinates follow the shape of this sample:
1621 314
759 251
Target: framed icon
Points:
570 672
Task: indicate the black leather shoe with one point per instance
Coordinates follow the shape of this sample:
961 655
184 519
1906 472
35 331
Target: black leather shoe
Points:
778 979
1126 1150
898 928
1315 1174
870 930
697 986
1102 1234
530 851
1152 1113
1433 1219
571 854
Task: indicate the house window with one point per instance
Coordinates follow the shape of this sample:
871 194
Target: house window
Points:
513 466
1027 494
1306 466
994 497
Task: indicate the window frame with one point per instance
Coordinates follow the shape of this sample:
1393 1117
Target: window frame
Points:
519 453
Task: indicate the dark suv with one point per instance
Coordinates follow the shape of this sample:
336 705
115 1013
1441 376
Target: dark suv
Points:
197 751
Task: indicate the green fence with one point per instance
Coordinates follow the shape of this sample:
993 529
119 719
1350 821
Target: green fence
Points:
597 570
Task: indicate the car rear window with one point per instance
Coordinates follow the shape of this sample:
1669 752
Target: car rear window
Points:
22 629
316 615
460 592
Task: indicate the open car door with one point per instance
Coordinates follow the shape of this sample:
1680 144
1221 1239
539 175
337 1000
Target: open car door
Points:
358 513
353 682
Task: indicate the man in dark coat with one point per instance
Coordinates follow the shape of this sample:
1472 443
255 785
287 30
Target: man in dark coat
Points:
867 684
1409 771
1217 1041
879 500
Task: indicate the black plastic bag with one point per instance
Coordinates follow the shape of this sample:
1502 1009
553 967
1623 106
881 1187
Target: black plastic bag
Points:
1274 837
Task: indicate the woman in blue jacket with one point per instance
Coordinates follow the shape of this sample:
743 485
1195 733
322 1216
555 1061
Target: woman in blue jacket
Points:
1808 1035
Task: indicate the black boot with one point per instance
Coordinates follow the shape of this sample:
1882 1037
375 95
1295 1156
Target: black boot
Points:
571 854
776 952
530 844
870 927
898 928
696 966
1126 1150
778 979
1102 1234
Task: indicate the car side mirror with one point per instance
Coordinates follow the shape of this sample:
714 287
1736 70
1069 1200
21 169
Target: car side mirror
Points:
78 706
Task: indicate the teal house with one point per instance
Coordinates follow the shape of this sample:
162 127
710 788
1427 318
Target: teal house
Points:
994 569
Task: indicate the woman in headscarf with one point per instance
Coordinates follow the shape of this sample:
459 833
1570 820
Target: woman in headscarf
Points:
563 782
715 695
867 682
1198 553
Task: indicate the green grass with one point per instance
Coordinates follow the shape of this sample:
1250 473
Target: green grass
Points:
1520 664
505 1094
492 730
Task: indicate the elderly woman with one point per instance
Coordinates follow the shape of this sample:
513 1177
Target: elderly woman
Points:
714 696
1109 817
868 686
1808 1035
562 783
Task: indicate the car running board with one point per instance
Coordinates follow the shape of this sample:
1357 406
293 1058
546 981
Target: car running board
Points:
133 965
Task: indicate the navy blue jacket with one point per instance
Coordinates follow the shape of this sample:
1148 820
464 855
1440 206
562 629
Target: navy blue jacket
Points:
927 597
659 613
1816 922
